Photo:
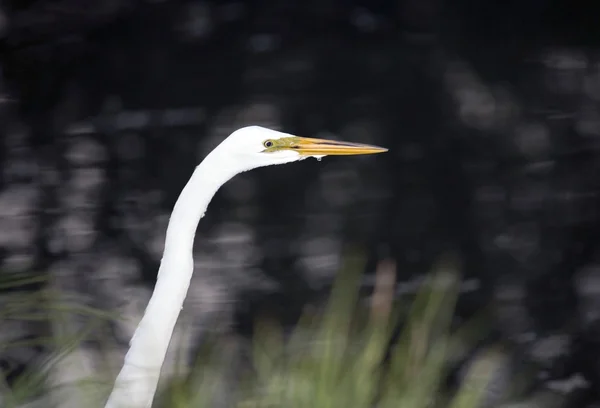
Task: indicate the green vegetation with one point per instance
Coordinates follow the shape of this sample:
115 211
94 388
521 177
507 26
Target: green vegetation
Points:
335 357
341 355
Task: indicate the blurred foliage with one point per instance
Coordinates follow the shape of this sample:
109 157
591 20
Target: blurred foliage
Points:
54 310
345 355
344 352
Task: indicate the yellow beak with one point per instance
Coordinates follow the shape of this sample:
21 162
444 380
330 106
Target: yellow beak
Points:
314 147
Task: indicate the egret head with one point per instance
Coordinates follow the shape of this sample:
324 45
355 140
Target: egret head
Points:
255 146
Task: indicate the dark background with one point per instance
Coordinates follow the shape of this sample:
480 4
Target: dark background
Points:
491 112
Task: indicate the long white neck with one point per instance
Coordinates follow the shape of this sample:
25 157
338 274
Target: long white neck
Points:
137 382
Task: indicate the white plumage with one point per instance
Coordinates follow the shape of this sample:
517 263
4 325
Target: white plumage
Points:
245 149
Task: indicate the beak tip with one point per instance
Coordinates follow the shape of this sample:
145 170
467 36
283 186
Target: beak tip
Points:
377 149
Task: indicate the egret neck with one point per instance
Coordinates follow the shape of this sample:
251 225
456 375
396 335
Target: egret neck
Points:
137 382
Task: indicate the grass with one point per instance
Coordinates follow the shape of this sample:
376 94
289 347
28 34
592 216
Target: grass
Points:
340 355
53 312
344 355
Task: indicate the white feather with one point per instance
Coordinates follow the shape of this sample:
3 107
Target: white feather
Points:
137 381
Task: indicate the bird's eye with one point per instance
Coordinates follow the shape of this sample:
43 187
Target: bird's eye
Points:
268 143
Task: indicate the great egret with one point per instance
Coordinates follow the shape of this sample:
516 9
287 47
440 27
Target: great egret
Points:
245 149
